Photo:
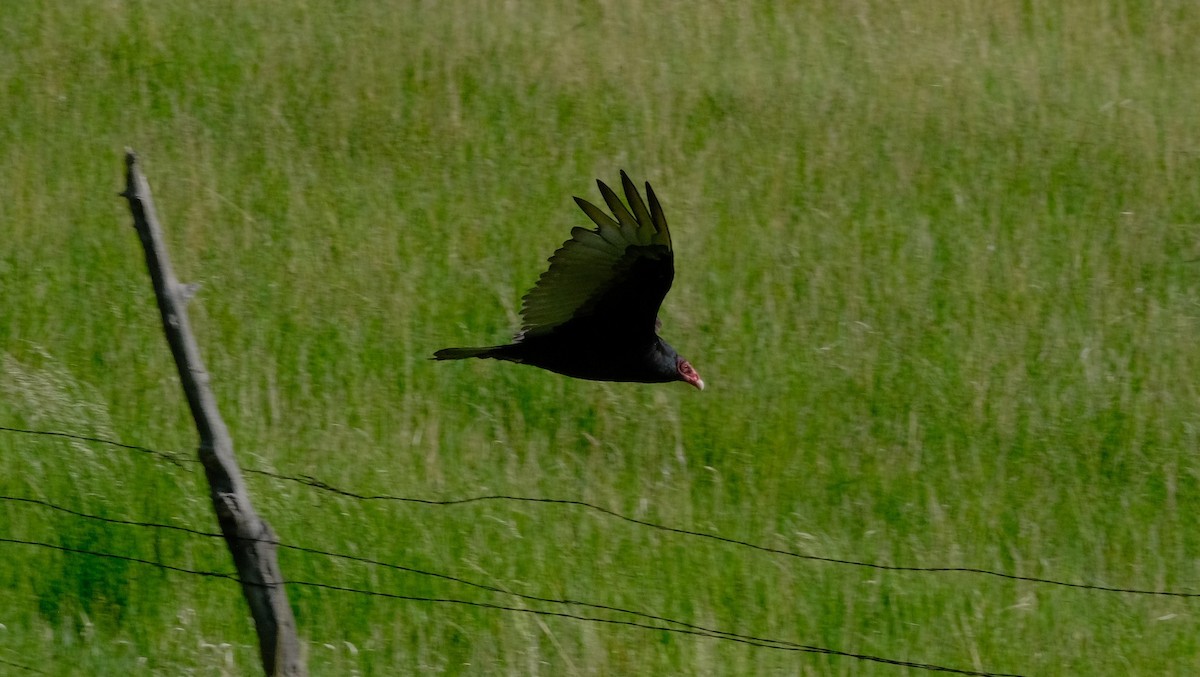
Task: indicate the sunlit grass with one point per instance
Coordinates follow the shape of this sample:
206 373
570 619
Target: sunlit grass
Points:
937 264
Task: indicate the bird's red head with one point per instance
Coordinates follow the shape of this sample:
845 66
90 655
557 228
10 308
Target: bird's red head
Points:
688 374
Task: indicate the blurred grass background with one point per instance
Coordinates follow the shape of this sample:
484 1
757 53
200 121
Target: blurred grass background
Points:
939 265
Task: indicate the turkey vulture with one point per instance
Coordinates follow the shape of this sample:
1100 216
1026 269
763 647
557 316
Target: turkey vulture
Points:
594 313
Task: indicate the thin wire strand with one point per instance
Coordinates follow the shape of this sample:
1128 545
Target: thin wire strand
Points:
397 567
178 459
750 641
762 643
126 558
18 666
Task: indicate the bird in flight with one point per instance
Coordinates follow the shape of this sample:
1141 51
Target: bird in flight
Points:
594 313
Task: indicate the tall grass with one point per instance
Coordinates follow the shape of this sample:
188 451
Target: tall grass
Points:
937 263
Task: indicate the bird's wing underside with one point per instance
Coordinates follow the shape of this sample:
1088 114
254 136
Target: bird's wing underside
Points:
612 278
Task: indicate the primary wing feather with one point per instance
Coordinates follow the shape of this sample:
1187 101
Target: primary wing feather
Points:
614 276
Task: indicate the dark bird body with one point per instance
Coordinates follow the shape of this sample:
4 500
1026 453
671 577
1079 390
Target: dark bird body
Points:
594 313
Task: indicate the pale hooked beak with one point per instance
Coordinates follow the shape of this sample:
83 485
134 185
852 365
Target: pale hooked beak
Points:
689 375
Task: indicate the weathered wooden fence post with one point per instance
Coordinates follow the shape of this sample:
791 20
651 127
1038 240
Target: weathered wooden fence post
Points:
250 539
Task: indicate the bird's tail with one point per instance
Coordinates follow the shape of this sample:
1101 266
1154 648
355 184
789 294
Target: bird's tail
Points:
464 353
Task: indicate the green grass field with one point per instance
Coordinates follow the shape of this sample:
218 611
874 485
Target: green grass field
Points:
939 265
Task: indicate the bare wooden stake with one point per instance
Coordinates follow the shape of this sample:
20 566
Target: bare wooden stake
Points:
250 539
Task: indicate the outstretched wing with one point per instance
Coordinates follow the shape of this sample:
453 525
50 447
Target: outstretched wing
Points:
612 278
